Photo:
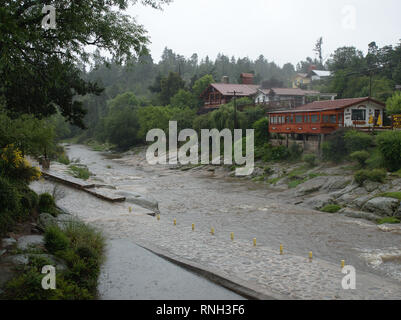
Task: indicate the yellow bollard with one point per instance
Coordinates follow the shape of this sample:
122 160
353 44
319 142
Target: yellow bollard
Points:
342 264
130 209
212 231
310 256
193 226
232 236
281 249
158 217
254 242
175 222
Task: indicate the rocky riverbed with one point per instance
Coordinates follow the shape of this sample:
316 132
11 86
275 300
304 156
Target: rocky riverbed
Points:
272 208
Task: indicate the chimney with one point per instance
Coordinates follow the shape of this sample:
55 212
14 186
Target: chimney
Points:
246 78
225 79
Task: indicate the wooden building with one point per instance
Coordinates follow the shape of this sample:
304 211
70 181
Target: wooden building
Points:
325 117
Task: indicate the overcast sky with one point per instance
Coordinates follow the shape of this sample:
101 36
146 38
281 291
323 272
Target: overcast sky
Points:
282 30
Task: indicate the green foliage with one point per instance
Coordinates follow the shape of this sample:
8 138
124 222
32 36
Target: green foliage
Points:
10 205
295 151
395 195
310 159
393 104
361 157
63 158
389 144
357 141
334 149
261 128
376 160
268 153
56 240
79 172
47 204
170 86
388 220
201 85
376 175
43 68
184 99
331 208
253 114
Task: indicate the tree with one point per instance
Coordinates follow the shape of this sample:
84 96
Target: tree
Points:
39 67
318 50
184 99
393 105
170 86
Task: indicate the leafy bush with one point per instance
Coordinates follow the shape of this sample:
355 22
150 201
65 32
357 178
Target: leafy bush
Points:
47 204
331 208
310 159
393 104
361 157
376 175
10 205
261 131
295 151
357 141
334 149
389 144
63 158
79 172
55 240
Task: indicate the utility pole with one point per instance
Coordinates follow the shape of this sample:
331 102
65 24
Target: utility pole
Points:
235 108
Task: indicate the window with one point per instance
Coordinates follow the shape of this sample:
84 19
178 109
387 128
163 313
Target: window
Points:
333 118
287 119
306 119
314 118
358 115
298 119
340 118
325 119
283 119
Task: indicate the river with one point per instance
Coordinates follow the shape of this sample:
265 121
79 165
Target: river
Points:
248 209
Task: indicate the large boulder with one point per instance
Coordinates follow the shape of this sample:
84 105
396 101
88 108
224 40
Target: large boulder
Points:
311 186
360 201
27 242
319 201
359 214
334 183
8 243
382 206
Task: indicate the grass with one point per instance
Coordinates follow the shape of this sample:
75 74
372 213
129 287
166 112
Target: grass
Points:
397 173
395 195
331 208
389 220
63 158
296 183
96 146
80 172
81 248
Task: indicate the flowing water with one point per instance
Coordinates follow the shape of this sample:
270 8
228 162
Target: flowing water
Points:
248 209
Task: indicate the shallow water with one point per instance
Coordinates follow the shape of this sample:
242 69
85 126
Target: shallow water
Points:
229 205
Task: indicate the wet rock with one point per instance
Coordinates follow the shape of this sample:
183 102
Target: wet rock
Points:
360 214
45 220
140 200
311 186
319 201
382 206
396 228
398 212
347 190
63 220
26 242
360 201
371 186
336 183
16 260
2 251
8 243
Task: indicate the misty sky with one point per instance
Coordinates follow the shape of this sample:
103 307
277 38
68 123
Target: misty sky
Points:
283 31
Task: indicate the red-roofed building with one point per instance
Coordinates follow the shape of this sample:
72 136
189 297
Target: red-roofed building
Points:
325 117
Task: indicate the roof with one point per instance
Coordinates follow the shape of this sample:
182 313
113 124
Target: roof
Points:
242 90
288 91
247 75
302 75
321 73
330 105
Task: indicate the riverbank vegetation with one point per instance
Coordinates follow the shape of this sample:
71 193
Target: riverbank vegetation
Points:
78 251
